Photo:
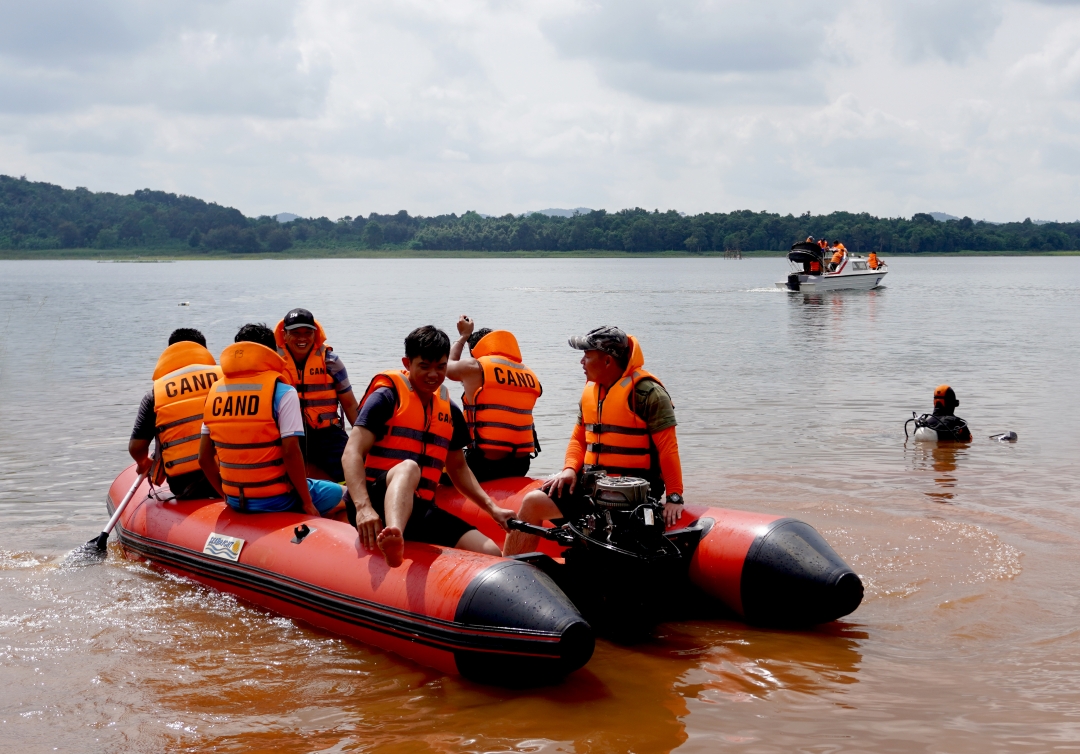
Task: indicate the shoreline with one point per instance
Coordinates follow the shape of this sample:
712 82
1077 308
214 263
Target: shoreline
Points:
173 255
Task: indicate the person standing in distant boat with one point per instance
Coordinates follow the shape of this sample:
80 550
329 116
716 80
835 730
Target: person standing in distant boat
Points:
626 427
839 252
171 414
322 383
500 392
408 430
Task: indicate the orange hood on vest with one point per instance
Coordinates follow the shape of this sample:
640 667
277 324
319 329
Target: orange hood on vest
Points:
250 358
498 341
180 355
279 335
637 358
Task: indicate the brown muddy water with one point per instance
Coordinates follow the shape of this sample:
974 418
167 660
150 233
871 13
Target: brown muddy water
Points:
968 639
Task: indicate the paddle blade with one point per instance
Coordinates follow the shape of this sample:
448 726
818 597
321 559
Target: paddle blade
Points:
93 551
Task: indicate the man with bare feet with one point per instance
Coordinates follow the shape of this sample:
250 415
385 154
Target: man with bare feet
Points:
406 432
625 427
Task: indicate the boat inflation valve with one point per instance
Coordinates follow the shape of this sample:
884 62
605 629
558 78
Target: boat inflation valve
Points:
300 532
621 492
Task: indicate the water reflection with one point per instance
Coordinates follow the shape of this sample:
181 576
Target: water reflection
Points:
738 663
942 459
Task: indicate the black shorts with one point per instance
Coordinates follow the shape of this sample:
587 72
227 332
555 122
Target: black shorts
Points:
192 486
324 448
428 523
485 470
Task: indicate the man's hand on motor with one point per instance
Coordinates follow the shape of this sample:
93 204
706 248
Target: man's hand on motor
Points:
564 480
465 326
501 516
672 513
368 525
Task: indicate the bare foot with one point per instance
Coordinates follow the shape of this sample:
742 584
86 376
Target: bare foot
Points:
392 545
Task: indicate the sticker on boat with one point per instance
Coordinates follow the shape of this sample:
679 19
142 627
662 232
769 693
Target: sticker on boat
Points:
223 546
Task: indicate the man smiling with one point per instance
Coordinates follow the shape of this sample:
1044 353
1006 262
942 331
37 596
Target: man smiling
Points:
320 378
406 432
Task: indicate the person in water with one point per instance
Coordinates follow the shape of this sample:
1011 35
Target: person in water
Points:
171 413
252 430
320 378
626 426
408 430
500 392
949 426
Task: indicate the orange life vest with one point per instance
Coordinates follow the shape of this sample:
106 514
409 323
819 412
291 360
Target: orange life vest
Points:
872 261
184 374
500 412
315 386
815 266
414 432
837 256
240 414
617 439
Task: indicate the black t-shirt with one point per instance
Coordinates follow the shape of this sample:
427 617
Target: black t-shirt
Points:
146 421
379 407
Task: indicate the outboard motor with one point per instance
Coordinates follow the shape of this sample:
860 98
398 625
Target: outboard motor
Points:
619 565
793 281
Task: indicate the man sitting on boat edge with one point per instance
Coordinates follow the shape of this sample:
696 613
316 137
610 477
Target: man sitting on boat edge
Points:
626 426
500 393
252 425
407 431
171 413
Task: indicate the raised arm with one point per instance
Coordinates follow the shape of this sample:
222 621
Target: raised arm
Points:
461 367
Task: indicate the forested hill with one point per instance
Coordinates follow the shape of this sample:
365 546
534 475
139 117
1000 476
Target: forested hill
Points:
36 216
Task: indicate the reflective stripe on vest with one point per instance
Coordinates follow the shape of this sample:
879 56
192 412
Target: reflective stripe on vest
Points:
500 413
616 438
318 396
240 415
178 405
414 433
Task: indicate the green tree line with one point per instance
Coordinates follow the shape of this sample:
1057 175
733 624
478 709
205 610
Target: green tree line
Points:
44 216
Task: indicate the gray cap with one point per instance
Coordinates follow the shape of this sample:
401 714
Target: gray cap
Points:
610 340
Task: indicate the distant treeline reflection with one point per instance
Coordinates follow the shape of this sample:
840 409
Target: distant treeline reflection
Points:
41 216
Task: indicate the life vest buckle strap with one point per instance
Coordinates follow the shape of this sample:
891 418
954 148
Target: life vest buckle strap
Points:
178 461
180 441
615 429
178 422
499 407
308 402
601 448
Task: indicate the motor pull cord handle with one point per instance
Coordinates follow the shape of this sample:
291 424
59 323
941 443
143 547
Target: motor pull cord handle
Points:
561 536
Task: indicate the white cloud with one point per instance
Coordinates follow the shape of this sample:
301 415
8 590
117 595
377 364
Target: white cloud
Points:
341 107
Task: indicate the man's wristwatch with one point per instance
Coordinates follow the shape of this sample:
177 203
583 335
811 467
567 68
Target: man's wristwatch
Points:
675 498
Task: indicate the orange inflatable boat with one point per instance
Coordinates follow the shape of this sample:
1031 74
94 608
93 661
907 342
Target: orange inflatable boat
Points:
507 621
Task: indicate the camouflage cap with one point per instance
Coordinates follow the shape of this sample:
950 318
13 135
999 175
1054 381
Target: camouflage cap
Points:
610 340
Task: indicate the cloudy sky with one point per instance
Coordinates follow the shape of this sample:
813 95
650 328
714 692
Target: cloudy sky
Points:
346 107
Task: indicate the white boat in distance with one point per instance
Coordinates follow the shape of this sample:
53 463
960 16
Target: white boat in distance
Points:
852 273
